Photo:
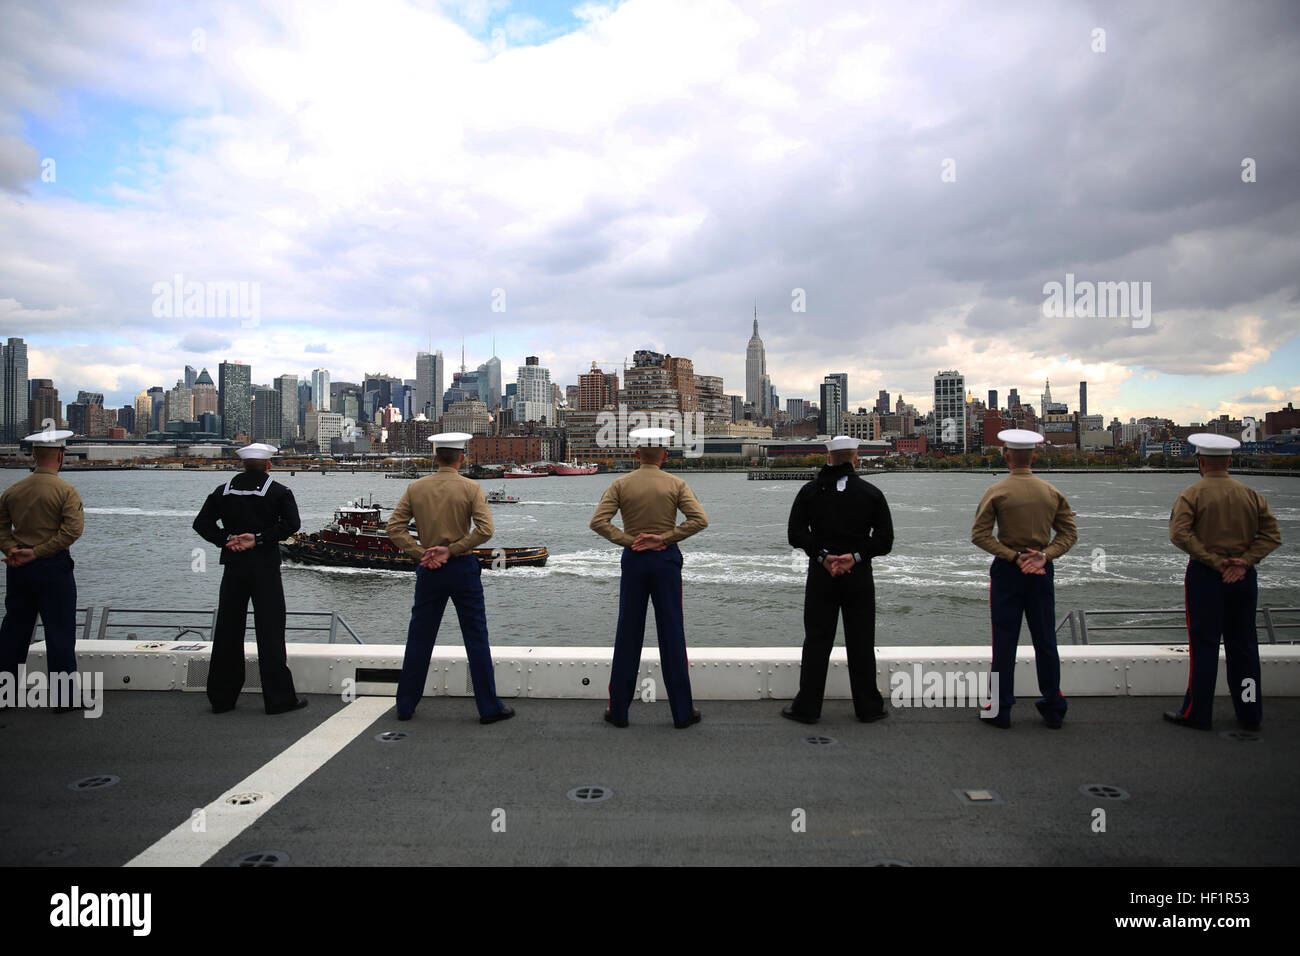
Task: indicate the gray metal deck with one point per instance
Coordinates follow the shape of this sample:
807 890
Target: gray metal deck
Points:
722 792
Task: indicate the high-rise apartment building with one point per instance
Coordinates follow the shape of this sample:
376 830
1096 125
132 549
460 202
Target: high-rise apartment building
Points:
235 398
534 401
950 411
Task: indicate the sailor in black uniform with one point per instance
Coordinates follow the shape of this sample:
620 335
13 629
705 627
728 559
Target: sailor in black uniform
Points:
841 522
256 514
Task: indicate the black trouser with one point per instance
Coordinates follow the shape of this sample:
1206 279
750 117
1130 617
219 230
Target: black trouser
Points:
825 598
260 581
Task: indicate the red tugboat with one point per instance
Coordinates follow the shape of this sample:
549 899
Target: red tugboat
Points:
357 538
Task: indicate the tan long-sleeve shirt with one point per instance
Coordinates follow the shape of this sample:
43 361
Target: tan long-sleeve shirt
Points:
1027 510
444 505
1219 517
649 499
42 512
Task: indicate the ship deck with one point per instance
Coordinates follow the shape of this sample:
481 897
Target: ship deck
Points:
726 791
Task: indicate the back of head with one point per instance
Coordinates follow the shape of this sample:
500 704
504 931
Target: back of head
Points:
46 457
1019 457
1218 463
257 464
652 455
448 457
840 456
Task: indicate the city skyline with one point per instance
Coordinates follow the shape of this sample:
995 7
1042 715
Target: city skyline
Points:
1075 392
891 216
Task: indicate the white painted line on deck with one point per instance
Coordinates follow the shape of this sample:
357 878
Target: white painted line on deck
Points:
222 822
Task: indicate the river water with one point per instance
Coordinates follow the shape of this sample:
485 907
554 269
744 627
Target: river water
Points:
743 585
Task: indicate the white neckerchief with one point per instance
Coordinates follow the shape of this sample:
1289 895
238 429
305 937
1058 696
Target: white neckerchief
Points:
260 492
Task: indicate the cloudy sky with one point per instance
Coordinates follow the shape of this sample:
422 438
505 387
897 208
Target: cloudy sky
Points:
584 180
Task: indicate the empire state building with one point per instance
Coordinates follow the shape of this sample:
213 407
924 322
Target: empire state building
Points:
755 368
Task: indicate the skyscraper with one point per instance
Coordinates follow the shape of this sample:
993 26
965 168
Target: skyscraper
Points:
320 389
267 417
429 384
180 404
287 386
830 420
950 410
14 408
1083 398
205 395
533 401
993 399
143 414
843 379
755 367
235 398
489 379
882 402
191 376
596 389
44 405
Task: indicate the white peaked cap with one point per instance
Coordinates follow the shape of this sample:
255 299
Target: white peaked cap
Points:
1020 439
649 437
49 439
1213 446
455 440
256 450
842 443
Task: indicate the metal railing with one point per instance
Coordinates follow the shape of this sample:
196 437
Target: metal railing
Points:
1081 629
83 626
332 624
200 624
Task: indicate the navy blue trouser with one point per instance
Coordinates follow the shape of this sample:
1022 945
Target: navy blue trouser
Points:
1216 609
45 587
1013 595
651 576
459 580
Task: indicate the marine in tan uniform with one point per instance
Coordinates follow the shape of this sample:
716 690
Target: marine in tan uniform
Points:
445 505
40 517
1026 510
1227 528
649 500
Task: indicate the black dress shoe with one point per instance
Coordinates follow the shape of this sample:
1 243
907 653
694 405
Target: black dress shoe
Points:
1052 724
609 719
695 718
997 722
402 716
1176 718
870 718
787 712
223 708
299 704
1244 725
505 713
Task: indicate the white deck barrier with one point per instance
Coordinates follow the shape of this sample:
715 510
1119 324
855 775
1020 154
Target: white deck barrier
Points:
719 673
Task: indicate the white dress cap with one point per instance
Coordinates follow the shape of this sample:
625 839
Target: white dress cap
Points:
1213 446
649 437
49 439
1020 439
842 443
455 440
256 450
